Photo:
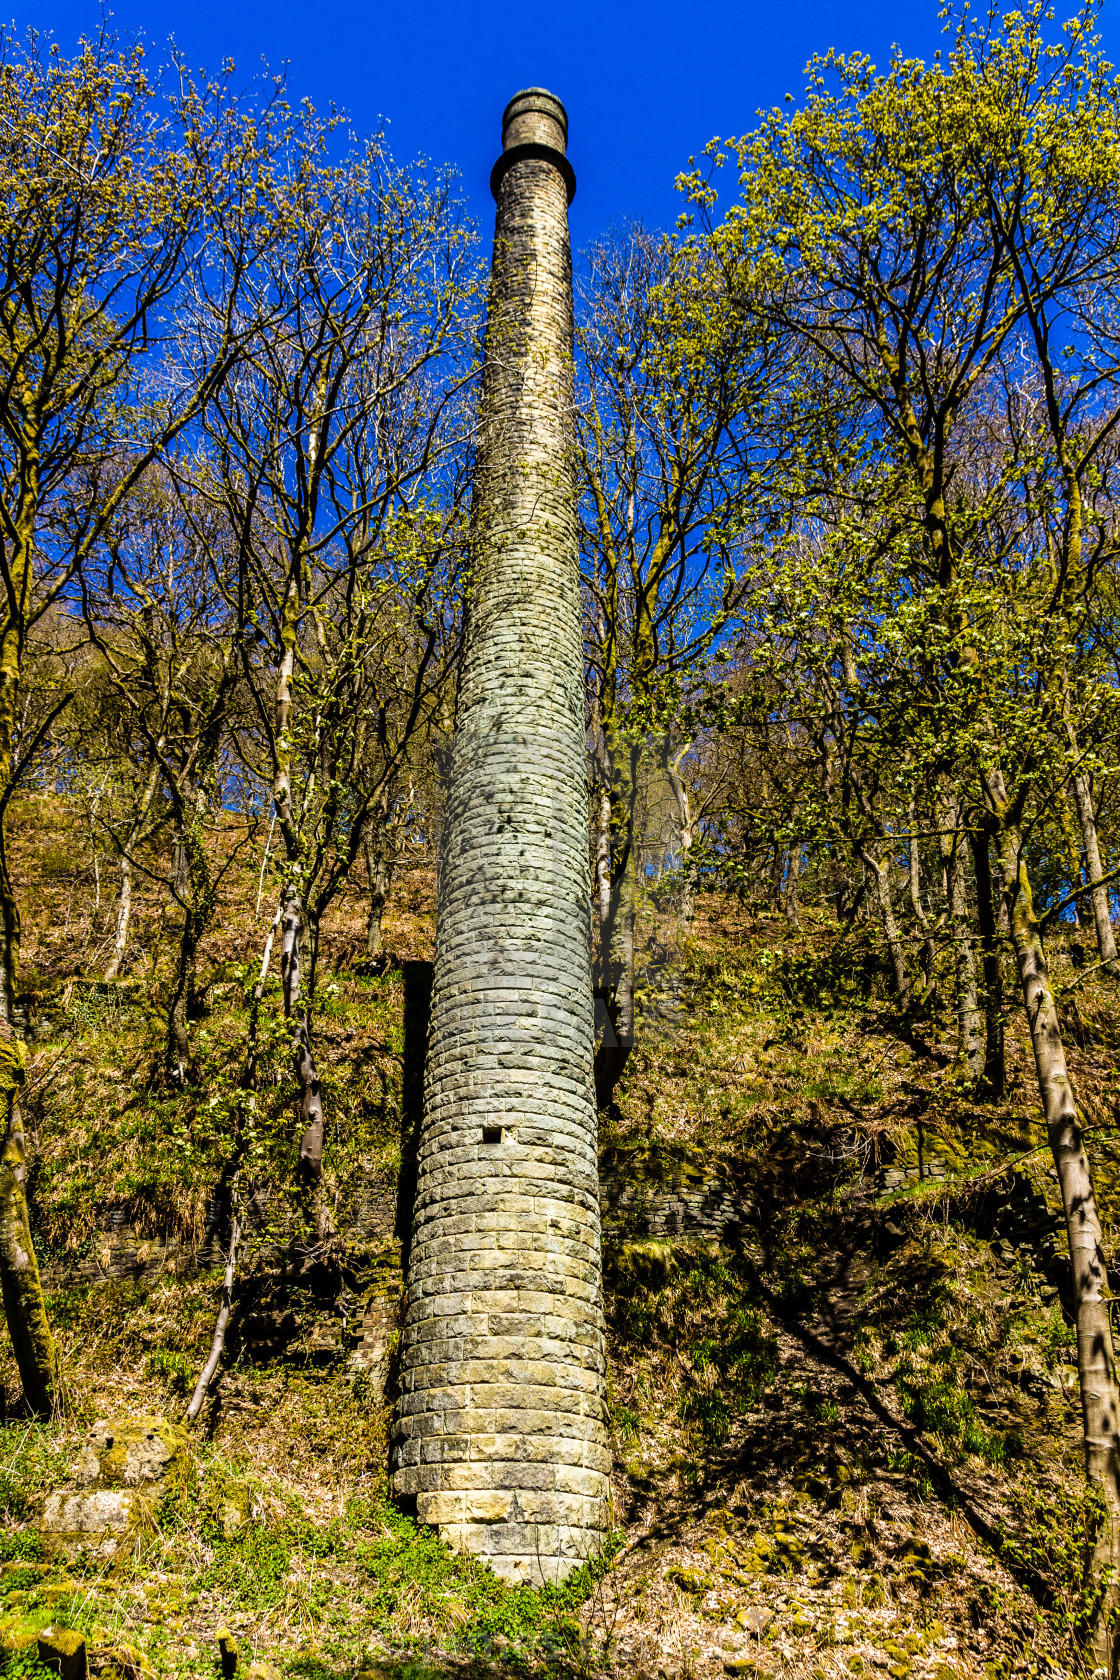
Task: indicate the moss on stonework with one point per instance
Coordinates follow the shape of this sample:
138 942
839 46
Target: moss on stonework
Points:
656 1163
128 1451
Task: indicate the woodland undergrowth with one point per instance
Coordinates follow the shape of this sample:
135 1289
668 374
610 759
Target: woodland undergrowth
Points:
845 1433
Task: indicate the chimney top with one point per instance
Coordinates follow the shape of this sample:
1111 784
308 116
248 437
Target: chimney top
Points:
534 124
535 114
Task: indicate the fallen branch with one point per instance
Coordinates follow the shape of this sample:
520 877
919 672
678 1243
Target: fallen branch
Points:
220 1327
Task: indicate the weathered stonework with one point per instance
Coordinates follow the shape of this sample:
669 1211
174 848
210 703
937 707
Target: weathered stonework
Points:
121 1474
500 1437
664 1191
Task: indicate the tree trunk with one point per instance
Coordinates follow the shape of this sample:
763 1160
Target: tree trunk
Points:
1096 1365
927 954
878 874
777 876
622 954
684 815
970 1041
603 859
124 917
1098 892
258 993
291 928
618 957
9 932
1003 919
1073 849
178 1038
603 884
179 1058
617 934
180 871
292 942
851 891
995 1068
194 892
22 1286
124 907
311 1101
792 904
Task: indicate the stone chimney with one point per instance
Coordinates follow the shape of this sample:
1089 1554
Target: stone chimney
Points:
499 1435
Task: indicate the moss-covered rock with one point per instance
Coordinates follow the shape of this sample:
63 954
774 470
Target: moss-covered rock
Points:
128 1452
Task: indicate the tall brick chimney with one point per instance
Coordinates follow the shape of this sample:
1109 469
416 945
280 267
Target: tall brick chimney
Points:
500 1434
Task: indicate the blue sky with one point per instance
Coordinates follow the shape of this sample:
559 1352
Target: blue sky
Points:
645 85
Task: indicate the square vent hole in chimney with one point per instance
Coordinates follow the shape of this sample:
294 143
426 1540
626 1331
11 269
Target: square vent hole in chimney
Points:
491 1134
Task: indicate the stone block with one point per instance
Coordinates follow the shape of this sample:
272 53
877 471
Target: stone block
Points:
554 1448
572 1480
490 1506
467 1478
440 1508
98 1523
525 1474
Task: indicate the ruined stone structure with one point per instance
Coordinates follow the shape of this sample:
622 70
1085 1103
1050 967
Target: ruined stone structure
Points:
499 1436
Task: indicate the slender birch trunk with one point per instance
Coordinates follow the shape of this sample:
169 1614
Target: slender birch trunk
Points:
195 894
622 953
1097 890
292 941
617 942
294 927
178 1049
381 875
258 993
1073 848
1096 1363
915 882
603 884
124 919
311 1100
124 905
688 833
1003 919
95 802
617 934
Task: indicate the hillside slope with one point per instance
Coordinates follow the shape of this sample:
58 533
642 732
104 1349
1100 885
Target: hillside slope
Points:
844 1403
